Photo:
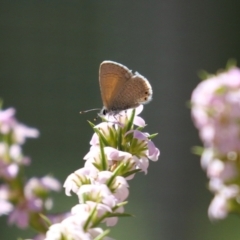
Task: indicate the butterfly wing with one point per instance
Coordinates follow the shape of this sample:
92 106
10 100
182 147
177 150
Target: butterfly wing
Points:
112 78
136 91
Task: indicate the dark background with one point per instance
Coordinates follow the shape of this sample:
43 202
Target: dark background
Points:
50 53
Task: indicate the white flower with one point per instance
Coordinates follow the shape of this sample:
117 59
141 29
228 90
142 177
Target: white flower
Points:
96 193
118 186
75 180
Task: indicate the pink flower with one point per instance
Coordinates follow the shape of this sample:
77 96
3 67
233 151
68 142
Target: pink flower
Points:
219 206
21 132
216 114
124 116
20 217
36 187
50 183
101 186
57 218
222 170
118 186
6 120
207 157
15 152
39 237
112 221
96 193
216 111
5 207
72 228
89 206
152 152
21 212
8 171
116 157
3 150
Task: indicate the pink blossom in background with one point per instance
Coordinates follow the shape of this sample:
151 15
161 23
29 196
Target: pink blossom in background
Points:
8 171
5 207
6 120
37 186
216 114
21 199
20 131
216 111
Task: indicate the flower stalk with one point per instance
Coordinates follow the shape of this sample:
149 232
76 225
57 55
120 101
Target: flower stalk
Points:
119 149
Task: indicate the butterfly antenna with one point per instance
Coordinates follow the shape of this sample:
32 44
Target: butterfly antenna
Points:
94 109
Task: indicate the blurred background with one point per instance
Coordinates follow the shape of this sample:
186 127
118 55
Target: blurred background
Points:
50 53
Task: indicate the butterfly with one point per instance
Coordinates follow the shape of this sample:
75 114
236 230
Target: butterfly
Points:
121 89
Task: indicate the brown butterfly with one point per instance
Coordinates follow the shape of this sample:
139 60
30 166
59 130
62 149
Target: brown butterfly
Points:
121 89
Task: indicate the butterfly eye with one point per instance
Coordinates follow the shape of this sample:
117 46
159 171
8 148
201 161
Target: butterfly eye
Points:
104 111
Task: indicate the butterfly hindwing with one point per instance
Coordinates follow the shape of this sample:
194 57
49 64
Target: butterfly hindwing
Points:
136 91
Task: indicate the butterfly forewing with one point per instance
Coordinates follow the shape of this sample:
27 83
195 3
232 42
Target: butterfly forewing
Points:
112 78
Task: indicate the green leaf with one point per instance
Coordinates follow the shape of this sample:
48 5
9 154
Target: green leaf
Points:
119 139
92 215
202 74
130 121
101 137
110 180
131 172
103 118
118 170
140 128
152 136
231 63
198 150
91 124
189 104
1 103
97 166
113 135
45 219
120 215
102 235
221 90
103 156
119 205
